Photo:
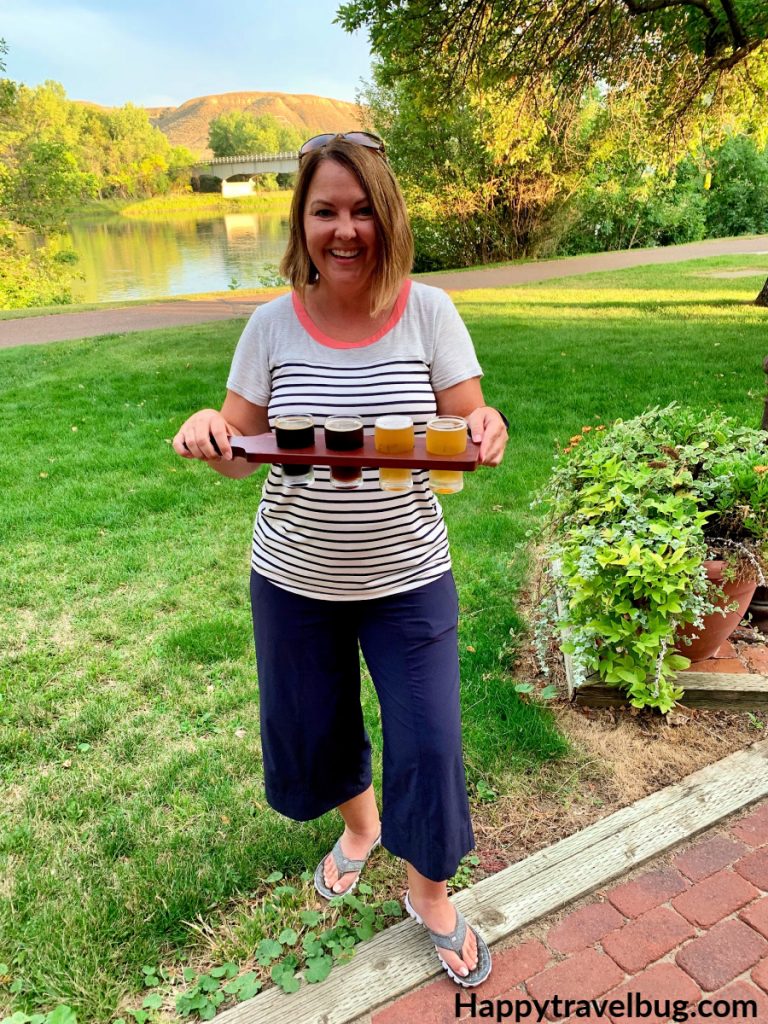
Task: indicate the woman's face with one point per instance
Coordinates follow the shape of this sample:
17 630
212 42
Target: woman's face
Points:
339 228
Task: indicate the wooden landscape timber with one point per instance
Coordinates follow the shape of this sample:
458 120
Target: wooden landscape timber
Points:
724 691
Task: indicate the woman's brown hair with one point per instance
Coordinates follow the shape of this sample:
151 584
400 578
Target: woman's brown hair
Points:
395 241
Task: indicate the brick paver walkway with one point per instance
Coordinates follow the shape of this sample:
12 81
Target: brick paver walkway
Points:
736 655
688 926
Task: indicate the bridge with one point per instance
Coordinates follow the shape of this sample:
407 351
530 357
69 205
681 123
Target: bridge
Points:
226 167
262 163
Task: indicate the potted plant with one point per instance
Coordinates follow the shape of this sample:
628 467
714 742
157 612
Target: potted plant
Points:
629 518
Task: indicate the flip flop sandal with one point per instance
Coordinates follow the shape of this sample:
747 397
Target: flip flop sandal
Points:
344 864
454 942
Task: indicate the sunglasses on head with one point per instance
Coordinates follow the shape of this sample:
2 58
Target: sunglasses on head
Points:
366 139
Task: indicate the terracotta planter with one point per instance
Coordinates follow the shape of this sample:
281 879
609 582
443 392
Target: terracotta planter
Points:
717 628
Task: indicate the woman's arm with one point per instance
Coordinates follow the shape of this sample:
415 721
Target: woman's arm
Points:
486 425
238 417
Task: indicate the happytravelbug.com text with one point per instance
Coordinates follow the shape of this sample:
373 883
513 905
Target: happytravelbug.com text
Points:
632 1007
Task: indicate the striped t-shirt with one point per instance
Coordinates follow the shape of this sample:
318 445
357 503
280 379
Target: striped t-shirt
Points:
347 545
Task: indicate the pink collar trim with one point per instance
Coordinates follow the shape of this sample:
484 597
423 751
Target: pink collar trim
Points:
324 339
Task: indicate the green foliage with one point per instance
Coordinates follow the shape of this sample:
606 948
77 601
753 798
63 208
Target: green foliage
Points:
297 954
737 202
61 1015
484 178
683 55
466 868
630 516
241 134
42 184
622 204
54 155
40 276
539 131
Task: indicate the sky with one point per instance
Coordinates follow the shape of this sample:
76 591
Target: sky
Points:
157 53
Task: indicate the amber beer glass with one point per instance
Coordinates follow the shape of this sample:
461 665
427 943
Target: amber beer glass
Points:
344 434
393 435
446 435
293 432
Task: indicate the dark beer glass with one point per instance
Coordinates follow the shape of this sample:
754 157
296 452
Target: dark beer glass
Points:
293 432
344 434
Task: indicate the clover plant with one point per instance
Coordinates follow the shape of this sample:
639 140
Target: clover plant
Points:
628 518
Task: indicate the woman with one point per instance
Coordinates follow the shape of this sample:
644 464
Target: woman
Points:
330 568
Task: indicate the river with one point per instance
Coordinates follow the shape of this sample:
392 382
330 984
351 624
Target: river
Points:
127 258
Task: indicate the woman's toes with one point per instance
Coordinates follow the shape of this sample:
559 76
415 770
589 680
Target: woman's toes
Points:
469 951
468 958
453 960
332 875
330 872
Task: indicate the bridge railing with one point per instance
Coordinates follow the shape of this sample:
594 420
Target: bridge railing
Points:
254 157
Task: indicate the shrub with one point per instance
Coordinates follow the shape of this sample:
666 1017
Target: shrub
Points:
630 516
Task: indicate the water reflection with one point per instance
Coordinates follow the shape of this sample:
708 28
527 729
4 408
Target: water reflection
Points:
133 259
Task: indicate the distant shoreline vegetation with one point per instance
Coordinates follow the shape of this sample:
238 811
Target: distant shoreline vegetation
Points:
208 204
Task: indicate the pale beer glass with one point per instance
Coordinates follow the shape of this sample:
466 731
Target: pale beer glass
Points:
394 435
446 435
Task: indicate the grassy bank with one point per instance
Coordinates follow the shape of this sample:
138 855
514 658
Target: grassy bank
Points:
133 826
206 204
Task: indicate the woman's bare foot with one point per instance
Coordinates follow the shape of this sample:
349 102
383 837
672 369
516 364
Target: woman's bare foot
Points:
356 846
439 914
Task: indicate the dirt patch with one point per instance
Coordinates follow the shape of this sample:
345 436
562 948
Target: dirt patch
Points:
746 272
618 757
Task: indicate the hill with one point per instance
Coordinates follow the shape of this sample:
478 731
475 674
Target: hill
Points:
187 125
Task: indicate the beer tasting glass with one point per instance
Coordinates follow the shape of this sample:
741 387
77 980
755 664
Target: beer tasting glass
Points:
446 435
393 435
293 432
344 434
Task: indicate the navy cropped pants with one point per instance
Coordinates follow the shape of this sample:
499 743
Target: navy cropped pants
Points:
316 751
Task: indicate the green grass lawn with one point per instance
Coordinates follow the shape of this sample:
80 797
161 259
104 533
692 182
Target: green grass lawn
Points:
133 826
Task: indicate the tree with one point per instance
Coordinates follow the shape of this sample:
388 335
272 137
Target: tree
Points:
484 178
737 202
670 73
675 51
43 186
241 134
54 154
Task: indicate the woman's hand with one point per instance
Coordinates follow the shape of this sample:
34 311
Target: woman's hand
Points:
193 441
487 427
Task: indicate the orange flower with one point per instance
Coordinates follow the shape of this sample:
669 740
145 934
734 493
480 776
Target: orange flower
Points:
761 469
586 430
601 427
576 438
568 449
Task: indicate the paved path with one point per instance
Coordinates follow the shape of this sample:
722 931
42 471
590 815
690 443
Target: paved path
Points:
65 326
689 926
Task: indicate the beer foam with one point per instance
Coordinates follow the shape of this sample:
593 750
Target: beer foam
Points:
294 422
447 423
343 423
394 422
